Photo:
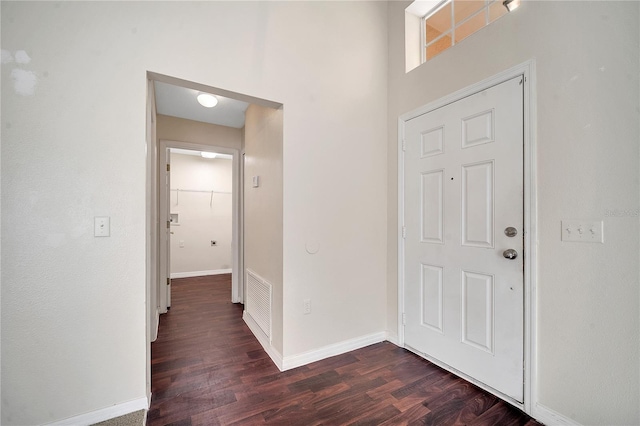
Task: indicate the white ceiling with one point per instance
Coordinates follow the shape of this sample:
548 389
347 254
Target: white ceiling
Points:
177 101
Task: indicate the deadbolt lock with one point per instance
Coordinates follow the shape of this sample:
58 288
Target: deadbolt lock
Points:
510 231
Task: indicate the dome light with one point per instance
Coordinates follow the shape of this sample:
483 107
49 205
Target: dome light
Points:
207 100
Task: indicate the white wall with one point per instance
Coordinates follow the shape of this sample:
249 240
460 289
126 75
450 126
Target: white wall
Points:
587 155
73 305
182 130
263 206
335 174
200 219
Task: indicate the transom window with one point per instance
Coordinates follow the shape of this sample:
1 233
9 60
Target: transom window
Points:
452 21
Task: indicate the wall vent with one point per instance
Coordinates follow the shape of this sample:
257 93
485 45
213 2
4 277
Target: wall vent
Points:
259 301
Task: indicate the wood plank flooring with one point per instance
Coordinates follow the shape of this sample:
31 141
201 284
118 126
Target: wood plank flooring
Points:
208 369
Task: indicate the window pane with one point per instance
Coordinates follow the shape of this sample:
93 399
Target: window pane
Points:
439 23
496 10
470 27
462 9
439 46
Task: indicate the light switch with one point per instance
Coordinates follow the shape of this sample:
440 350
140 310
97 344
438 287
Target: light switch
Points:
256 181
583 231
101 227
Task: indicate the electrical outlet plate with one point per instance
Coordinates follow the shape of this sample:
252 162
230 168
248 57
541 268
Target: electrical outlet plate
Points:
583 231
307 306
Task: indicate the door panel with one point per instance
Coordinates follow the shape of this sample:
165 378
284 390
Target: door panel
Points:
477 204
432 207
463 177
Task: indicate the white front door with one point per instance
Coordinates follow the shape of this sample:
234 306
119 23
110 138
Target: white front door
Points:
463 191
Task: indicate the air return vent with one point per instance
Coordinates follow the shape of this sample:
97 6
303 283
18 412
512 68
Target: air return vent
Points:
259 301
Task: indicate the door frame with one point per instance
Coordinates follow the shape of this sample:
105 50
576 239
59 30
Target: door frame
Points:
526 69
237 281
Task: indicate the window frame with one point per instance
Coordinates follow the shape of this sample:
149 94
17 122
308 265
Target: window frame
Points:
454 25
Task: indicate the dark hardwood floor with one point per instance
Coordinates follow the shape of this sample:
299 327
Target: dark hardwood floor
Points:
208 369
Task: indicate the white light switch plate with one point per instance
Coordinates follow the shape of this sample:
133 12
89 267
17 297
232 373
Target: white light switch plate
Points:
101 226
583 231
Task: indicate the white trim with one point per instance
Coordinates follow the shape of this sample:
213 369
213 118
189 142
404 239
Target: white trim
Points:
530 235
401 236
241 268
237 244
332 350
105 413
423 40
237 280
392 338
174 81
527 69
421 8
200 273
522 69
154 330
547 416
151 244
275 356
294 361
163 238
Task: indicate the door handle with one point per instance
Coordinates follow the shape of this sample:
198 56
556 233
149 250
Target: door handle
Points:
510 254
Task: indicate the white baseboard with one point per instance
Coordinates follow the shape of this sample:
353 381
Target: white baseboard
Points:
393 338
332 350
549 417
275 356
199 273
154 332
299 360
105 413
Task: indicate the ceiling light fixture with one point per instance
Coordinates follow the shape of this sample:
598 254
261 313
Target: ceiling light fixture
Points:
511 5
207 100
205 154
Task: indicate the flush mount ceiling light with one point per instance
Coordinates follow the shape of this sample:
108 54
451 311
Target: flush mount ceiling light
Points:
205 154
207 100
511 5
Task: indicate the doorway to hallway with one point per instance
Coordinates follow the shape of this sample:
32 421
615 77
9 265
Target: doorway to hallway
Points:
175 120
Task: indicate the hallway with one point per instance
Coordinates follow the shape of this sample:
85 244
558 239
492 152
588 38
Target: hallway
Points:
208 369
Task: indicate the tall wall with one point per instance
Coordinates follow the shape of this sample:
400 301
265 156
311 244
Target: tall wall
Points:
73 147
587 59
263 206
201 218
